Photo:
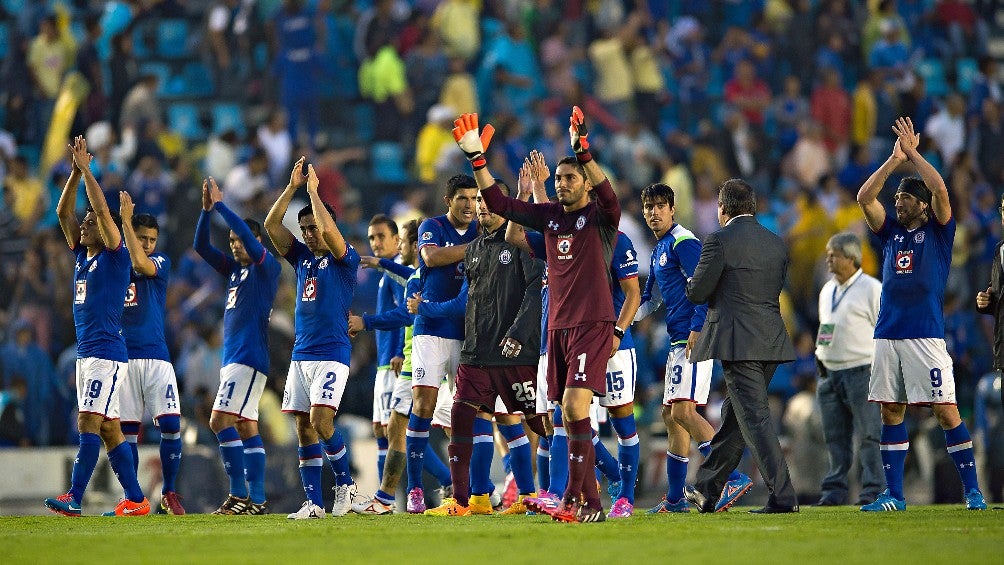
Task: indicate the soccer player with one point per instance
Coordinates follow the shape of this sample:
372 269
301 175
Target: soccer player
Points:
579 235
406 272
912 365
442 242
688 385
151 382
252 282
100 281
500 302
384 242
326 269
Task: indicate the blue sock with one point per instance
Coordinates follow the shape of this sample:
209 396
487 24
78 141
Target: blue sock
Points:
416 439
960 448
232 451
311 463
170 449
676 475
605 462
894 443
628 453
435 466
481 457
705 449
384 497
506 461
83 465
559 457
254 468
382 445
519 456
334 448
124 468
131 432
543 461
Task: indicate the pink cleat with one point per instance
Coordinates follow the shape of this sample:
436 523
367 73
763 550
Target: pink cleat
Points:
621 509
416 501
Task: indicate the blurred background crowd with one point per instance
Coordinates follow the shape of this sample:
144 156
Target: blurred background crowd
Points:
796 96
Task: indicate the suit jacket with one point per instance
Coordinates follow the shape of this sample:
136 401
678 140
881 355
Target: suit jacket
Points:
740 275
996 307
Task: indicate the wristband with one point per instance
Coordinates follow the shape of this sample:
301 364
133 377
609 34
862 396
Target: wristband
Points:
619 333
478 161
584 157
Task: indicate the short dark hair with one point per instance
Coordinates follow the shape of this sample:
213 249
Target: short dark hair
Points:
458 182
254 226
737 197
571 160
308 210
409 232
145 221
658 191
115 216
385 220
503 186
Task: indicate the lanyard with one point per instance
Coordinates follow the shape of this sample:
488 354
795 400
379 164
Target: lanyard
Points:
834 301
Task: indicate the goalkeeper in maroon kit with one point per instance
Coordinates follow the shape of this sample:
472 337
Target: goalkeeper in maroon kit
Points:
579 234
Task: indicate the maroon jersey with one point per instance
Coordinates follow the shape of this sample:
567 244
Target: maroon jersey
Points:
579 246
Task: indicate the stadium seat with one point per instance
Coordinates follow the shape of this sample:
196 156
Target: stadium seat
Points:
227 117
933 72
163 73
966 70
13 6
363 121
184 120
4 39
172 39
198 80
387 163
140 45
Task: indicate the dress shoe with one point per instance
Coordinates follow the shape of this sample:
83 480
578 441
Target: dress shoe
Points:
828 502
775 510
698 499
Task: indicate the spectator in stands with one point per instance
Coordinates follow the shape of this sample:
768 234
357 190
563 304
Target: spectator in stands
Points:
300 34
383 82
89 65
637 154
228 24
141 105
614 82
509 77
50 56
22 358
990 133
30 199
788 109
890 54
426 68
12 421
457 24
246 184
947 128
150 186
967 33
985 86
749 93
691 63
459 90
808 160
434 138
122 72
831 108
275 139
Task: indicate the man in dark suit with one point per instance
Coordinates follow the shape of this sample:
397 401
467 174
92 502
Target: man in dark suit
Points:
740 275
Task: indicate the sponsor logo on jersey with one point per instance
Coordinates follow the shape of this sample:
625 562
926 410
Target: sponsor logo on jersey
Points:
231 298
130 296
564 247
505 257
904 262
309 290
553 225
80 292
426 236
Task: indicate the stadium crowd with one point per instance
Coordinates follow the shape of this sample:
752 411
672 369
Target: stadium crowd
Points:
795 96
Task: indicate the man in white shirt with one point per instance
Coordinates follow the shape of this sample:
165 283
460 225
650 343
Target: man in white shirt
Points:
848 311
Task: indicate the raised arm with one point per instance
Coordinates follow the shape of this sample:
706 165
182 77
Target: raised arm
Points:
539 173
66 208
203 246
606 198
435 256
141 263
110 234
281 237
908 141
330 233
254 248
868 195
397 271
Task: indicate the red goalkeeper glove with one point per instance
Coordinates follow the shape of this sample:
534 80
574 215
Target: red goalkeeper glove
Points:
470 141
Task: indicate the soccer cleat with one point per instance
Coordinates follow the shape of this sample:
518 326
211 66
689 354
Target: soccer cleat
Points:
344 495
621 509
732 491
665 506
543 502
697 498
170 503
885 503
416 501
255 509
510 491
450 507
64 505
567 511
518 507
445 492
614 489
974 500
373 507
233 506
587 514
481 504
307 511
126 507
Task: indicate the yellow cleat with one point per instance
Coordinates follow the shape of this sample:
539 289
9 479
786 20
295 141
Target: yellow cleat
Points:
481 504
449 507
518 508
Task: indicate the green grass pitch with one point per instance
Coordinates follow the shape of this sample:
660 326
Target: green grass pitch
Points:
921 535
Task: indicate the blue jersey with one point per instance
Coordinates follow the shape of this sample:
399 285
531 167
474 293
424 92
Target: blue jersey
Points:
674 259
536 242
440 284
914 272
324 287
143 312
99 286
251 291
389 343
623 266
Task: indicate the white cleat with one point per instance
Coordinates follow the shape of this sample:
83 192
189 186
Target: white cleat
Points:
372 507
309 511
345 495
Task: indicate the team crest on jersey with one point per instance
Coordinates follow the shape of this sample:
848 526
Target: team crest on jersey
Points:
663 259
130 296
904 262
323 264
580 223
309 290
505 257
427 236
918 237
460 269
564 248
419 373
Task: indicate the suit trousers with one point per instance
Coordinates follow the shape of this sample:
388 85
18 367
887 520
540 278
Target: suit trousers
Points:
746 422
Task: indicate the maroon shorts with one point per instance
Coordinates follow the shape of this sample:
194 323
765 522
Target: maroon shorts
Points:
577 357
480 386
